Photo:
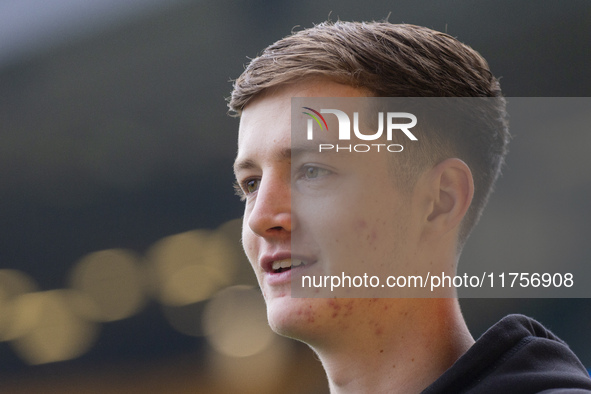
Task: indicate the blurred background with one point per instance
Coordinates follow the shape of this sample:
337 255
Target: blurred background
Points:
120 264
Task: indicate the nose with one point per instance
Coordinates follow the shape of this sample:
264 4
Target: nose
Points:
271 214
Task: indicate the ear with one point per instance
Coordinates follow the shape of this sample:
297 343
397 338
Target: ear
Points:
451 188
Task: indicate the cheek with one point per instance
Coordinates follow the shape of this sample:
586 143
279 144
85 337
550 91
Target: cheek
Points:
366 233
249 243
249 240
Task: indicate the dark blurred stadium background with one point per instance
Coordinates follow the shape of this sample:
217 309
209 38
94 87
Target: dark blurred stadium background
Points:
120 267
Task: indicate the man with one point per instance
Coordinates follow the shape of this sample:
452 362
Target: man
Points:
406 211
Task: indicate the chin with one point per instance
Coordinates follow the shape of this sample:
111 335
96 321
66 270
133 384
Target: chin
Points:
295 318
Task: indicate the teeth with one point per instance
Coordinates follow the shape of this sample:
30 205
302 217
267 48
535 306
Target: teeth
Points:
297 263
287 263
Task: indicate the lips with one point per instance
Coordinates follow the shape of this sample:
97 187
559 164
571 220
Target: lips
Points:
278 268
281 262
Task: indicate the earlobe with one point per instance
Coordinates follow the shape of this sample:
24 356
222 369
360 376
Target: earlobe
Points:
452 189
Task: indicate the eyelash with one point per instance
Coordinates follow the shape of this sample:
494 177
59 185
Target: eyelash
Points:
238 191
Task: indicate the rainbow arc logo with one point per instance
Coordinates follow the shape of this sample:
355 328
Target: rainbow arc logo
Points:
316 116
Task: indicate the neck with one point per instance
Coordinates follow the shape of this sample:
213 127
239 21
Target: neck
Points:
385 356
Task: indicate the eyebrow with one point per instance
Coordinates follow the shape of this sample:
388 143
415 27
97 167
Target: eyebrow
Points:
285 154
247 164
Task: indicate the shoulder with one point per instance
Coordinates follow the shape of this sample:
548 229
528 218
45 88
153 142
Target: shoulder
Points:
516 355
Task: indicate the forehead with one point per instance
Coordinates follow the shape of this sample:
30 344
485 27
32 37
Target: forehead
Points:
265 123
277 101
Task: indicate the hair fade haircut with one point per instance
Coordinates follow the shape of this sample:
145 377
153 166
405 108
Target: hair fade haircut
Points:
391 60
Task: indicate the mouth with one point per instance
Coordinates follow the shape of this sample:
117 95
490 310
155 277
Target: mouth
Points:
283 265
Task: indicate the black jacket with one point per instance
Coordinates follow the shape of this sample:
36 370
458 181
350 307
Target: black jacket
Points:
517 355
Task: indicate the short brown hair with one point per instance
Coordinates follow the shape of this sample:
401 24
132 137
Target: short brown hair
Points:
396 61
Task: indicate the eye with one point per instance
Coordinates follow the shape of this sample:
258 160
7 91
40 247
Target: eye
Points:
312 172
246 188
251 185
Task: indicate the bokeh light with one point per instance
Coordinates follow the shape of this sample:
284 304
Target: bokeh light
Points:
181 271
191 266
113 279
13 283
235 322
47 329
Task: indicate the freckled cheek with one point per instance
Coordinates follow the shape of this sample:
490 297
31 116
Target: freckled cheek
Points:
306 312
366 232
372 236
